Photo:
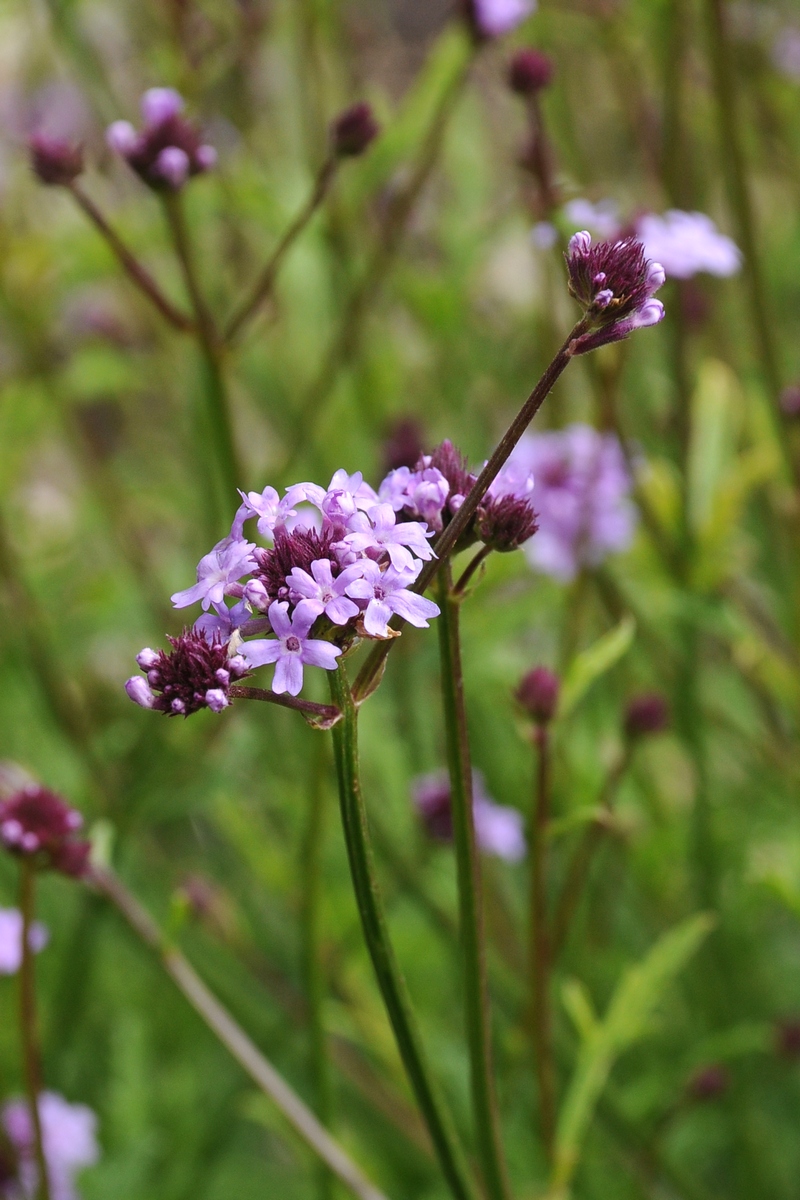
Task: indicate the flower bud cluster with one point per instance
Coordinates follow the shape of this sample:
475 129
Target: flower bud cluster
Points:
36 824
337 564
168 149
55 161
614 283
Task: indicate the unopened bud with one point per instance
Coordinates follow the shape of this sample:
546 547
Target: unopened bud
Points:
529 71
353 130
790 401
646 714
709 1082
139 691
538 694
787 1039
55 161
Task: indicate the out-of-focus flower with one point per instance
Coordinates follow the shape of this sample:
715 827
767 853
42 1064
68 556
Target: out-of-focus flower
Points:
196 674
581 496
709 1082
538 694
498 829
686 243
529 71
646 714
787 1039
353 131
544 235
55 161
169 149
790 400
36 824
614 282
601 219
786 52
69 1134
505 523
11 939
494 18
403 445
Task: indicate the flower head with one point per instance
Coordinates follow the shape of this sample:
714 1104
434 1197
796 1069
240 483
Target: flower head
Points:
506 523
495 18
36 824
69 1134
614 283
645 714
386 593
169 149
707 1083
686 243
538 694
11 939
601 219
225 565
292 648
197 673
529 72
498 829
55 161
353 131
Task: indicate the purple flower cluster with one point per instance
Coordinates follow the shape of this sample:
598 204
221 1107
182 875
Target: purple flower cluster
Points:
69 1134
582 498
168 149
338 564
614 282
686 243
36 824
498 829
11 939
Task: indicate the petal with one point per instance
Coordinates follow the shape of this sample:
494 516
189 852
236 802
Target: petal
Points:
189 595
321 570
302 582
341 610
362 589
304 617
376 618
279 618
400 557
288 675
416 609
317 653
261 651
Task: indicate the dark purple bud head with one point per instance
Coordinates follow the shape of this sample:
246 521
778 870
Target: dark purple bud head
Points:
787 1039
37 824
197 673
529 72
708 1083
431 795
403 445
353 131
614 283
505 524
538 694
646 714
55 161
790 401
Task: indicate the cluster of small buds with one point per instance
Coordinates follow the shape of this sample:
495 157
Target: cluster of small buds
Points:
494 18
538 693
498 829
69 1135
168 149
529 72
353 131
337 565
646 714
56 162
614 282
434 490
36 824
11 940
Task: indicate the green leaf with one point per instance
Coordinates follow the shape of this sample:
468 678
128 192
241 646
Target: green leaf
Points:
625 1022
593 662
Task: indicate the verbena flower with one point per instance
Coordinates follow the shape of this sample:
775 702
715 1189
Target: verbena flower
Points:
686 243
55 161
494 18
36 824
581 496
786 52
645 714
69 1135
292 648
538 693
11 939
386 593
601 219
499 830
196 674
529 71
168 150
353 131
226 564
614 282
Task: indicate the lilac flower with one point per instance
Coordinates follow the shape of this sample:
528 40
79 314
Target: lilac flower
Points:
292 648
11 939
226 564
498 829
420 492
169 149
322 593
69 1134
686 243
36 824
378 530
197 673
786 52
601 219
614 283
494 18
222 622
581 496
268 507
544 235
386 594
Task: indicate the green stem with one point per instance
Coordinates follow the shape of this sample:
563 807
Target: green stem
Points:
313 974
215 390
390 980
28 1023
470 896
540 952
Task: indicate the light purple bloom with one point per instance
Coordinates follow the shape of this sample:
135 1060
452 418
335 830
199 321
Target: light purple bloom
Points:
422 492
686 243
226 564
122 138
11 939
160 104
378 530
582 497
69 1133
173 165
322 593
786 52
386 594
268 507
494 18
223 621
544 235
601 219
499 830
292 648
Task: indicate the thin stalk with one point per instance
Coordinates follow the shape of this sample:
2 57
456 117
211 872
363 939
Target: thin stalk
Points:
130 264
266 281
234 1039
470 897
376 935
539 956
445 544
471 568
312 967
324 716
28 1023
208 342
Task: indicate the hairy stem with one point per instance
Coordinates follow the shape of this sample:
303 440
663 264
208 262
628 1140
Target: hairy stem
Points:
470 896
390 980
235 1040
539 956
28 1023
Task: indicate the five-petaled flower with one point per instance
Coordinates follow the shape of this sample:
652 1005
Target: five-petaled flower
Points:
386 593
292 648
226 564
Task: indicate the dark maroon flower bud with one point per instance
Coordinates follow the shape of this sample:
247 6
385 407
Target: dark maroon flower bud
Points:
646 714
529 71
55 161
505 523
787 1038
298 549
538 694
36 823
353 130
615 284
790 400
709 1082
197 673
403 444
431 795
